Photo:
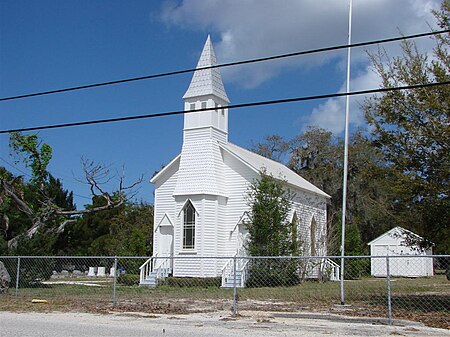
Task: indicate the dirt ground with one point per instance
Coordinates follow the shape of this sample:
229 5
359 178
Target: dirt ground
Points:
250 323
435 319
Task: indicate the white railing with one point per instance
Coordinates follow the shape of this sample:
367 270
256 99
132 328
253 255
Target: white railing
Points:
331 268
150 266
241 266
163 270
145 270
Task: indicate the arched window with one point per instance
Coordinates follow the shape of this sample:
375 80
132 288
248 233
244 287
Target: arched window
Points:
294 235
189 226
312 235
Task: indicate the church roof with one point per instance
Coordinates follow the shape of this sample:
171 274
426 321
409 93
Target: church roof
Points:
277 170
212 180
207 81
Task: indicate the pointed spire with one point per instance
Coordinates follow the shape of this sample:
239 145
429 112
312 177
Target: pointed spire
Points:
207 81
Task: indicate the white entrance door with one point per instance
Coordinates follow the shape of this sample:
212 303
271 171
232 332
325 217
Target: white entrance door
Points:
165 247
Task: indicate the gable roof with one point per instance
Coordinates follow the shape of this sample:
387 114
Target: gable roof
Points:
276 169
396 232
256 163
165 169
207 81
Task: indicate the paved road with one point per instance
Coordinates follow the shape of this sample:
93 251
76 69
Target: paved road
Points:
249 325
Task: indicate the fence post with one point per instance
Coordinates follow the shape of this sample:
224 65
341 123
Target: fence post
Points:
17 276
388 279
234 287
114 282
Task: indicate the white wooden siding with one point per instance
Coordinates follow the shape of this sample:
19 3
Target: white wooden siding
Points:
164 201
238 177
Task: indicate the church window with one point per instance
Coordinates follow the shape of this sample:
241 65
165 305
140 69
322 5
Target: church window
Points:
192 106
189 226
295 249
313 236
203 105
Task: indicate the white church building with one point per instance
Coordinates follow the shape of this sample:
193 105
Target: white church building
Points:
200 195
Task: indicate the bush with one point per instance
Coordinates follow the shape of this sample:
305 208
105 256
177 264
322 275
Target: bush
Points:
193 282
128 279
33 272
356 268
267 273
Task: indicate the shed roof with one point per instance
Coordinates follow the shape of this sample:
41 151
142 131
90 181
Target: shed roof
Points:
396 232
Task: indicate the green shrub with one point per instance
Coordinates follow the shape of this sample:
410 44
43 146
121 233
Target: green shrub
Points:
128 279
193 282
273 273
356 268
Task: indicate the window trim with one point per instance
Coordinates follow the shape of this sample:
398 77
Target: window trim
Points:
191 226
312 237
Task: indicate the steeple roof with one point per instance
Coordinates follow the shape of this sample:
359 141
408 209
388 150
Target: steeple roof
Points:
207 81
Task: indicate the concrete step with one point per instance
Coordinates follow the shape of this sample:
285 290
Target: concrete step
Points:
151 280
229 282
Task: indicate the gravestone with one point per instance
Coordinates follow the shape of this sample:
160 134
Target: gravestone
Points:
92 271
112 272
101 272
4 278
77 273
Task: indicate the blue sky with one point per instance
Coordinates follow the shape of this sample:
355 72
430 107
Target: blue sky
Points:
47 45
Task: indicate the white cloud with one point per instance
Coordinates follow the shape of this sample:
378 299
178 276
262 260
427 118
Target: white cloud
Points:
255 28
331 114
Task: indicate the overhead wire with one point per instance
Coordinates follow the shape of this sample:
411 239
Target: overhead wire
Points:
29 175
233 106
255 60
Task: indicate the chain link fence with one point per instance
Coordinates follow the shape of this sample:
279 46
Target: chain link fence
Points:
395 287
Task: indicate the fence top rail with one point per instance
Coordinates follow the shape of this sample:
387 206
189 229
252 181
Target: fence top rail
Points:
228 257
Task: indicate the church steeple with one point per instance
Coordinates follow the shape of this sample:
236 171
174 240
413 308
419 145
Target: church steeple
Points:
207 81
206 90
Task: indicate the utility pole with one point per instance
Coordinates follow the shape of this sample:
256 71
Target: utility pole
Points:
344 182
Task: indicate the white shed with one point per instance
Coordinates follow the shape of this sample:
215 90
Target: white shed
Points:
407 260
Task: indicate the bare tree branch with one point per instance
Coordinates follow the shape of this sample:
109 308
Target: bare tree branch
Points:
95 175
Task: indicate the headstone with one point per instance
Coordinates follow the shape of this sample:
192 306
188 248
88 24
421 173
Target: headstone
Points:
77 273
112 272
101 272
64 273
4 278
91 271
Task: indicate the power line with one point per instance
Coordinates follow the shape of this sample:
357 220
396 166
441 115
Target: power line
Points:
29 176
234 106
262 59
15 167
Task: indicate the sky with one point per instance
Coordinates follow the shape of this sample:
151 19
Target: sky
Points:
46 45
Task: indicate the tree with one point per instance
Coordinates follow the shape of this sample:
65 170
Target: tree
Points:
274 147
47 207
122 231
412 129
317 155
270 233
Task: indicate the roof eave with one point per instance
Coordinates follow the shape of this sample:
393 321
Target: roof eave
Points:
166 168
